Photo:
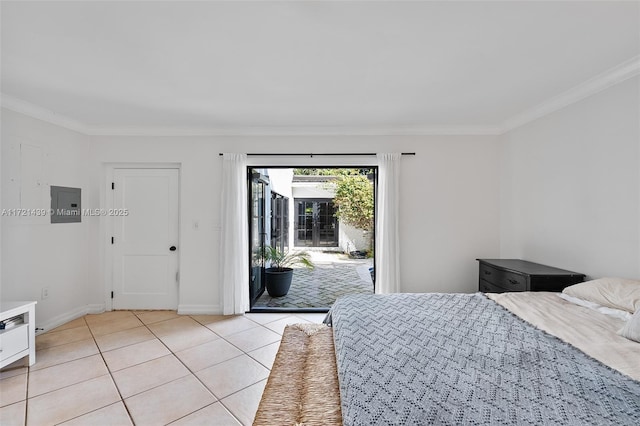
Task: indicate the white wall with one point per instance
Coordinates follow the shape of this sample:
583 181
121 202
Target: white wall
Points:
280 181
36 253
312 190
449 212
564 190
352 238
200 180
570 188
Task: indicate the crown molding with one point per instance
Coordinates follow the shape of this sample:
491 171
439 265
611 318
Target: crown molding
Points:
40 113
23 107
299 131
613 76
618 74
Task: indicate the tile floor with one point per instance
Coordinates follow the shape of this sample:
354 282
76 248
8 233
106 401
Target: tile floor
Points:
146 368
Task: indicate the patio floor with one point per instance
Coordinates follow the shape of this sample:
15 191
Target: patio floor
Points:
333 276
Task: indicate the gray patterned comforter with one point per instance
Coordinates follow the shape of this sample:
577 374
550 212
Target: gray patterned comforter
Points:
463 359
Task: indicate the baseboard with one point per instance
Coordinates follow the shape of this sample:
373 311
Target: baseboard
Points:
199 310
96 308
57 321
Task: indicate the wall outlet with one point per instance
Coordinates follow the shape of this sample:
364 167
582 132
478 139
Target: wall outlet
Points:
45 293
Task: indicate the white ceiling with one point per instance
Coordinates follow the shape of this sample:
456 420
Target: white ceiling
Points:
232 66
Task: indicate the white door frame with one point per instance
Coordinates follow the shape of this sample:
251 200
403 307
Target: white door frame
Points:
106 224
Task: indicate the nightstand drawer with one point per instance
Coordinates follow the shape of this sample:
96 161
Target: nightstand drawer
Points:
14 341
487 287
508 281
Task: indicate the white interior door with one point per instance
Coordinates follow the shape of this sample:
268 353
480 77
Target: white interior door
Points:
145 238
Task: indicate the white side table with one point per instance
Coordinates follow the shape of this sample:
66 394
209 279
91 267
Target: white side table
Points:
19 340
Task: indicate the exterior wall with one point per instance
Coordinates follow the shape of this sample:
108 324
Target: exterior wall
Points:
352 238
312 190
348 237
280 181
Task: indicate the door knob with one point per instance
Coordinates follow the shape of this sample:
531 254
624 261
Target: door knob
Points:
172 248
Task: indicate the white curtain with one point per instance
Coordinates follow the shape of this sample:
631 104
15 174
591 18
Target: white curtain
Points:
234 240
387 268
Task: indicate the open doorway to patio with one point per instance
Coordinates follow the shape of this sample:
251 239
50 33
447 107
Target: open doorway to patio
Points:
299 217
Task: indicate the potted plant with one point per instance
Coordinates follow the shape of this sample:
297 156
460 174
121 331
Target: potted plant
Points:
280 273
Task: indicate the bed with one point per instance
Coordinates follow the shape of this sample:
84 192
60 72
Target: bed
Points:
510 358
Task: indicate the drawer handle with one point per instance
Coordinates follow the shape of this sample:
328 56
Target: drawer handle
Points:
514 282
487 272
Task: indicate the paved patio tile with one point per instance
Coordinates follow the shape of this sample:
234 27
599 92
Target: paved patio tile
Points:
334 275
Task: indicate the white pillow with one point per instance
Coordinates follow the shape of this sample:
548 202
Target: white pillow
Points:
616 313
616 293
631 330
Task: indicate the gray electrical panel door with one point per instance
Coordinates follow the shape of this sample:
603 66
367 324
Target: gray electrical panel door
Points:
65 204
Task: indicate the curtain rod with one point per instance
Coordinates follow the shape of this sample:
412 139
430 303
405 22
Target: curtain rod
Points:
289 154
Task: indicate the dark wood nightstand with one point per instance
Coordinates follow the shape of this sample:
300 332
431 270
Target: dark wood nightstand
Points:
502 275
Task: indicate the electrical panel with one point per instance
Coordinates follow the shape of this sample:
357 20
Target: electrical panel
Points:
65 204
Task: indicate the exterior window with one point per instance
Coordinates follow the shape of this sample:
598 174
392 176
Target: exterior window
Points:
316 223
279 221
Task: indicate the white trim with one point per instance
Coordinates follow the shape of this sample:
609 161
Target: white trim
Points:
299 131
307 161
64 318
40 113
615 75
618 74
34 111
199 310
96 308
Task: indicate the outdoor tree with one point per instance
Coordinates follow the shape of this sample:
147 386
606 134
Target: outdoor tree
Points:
353 194
354 199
